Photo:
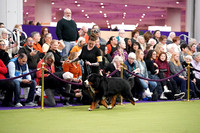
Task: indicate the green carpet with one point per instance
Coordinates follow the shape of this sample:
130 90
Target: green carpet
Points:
152 117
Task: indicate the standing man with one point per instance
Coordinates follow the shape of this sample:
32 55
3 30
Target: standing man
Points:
66 31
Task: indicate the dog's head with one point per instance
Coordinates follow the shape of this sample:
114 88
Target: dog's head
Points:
93 80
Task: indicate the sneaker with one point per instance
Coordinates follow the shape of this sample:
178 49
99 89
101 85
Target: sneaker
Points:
67 105
18 105
179 96
163 97
135 99
31 104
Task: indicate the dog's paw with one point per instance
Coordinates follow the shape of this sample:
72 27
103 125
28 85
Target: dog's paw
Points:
89 109
109 107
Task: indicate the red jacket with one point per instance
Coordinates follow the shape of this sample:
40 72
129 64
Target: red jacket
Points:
39 73
163 65
3 70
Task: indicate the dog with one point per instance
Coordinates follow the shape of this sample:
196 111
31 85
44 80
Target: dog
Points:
103 88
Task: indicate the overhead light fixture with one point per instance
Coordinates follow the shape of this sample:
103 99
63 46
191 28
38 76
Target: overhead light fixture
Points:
140 20
162 15
177 2
107 21
125 5
26 13
52 3
82 10
108 26
101 3
54 18
143 14
78 5
60 9
124 13
100 11
25 0
102 6
75 2
86 15
148 7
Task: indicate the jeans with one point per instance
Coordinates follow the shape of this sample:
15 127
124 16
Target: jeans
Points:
17 91
66 50
152 84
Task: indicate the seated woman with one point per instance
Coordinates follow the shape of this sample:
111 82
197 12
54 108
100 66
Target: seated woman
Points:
187 60
121 51
181 80
164 72
54 49
143 72
153 71
49 65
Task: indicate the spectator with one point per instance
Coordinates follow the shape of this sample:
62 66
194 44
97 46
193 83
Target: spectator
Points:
33 55
156 35
163 40
44 31
47 41
192 48
135 46
135 33
184 52
54 49
3 54
121 35
152 42
147 36
170 37
142 42
164 72
36 38
83 33
6 85
53 85
143 72
196 64
96 30
78 48
67 31
22 38
128 45
121 51
48 61
112 45
2 25
16 67
181 80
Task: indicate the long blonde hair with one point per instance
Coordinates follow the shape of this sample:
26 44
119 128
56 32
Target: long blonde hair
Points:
137 54
177 63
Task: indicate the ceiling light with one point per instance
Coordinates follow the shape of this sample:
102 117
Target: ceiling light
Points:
125 5
78 5
101 3
60 9
124 13
162 15
177 2
140 19
25 0
100 11
54 18
86 15
107 21
27 13
143 14
82 10
148 7
108 26
52 3
104 14
102 6
75 2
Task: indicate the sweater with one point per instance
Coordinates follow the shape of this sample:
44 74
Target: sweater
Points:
175 69
67 30
3 70
163 65
75 70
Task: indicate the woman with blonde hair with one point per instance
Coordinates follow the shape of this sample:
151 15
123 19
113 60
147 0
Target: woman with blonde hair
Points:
181 79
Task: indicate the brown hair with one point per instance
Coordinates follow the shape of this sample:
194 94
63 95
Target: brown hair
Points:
175 39
164 54
42 31
147 35
72 56
93 37
161 38
134 31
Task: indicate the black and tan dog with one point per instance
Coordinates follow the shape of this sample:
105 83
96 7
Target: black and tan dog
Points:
108 87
